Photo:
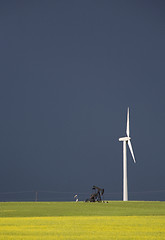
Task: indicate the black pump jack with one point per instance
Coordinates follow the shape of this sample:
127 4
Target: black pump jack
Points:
97 195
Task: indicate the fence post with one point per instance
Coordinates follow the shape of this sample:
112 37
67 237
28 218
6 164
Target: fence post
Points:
36 196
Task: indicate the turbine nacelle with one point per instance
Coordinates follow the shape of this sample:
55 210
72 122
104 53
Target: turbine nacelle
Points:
124 139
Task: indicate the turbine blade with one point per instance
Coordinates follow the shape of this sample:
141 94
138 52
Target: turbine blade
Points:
127 129
131 150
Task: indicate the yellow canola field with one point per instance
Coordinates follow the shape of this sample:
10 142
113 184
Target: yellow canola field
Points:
82 227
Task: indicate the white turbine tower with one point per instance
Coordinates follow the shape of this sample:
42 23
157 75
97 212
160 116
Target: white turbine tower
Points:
126 140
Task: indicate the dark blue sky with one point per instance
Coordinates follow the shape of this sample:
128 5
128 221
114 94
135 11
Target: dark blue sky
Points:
69 70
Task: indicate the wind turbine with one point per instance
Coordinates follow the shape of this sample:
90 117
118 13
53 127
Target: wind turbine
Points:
126 140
